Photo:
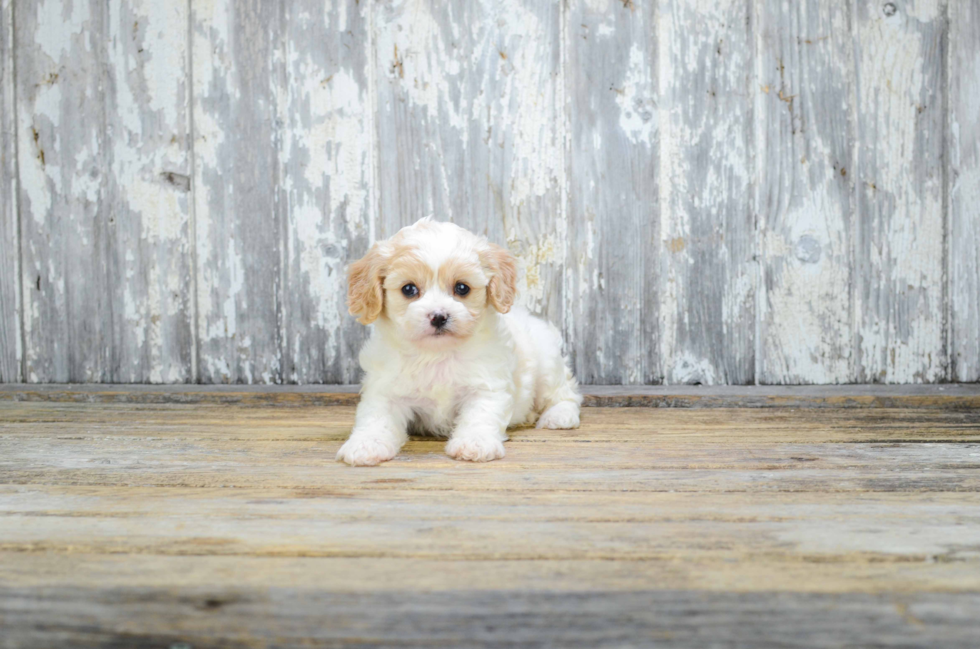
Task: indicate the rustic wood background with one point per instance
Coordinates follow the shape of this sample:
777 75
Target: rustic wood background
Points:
751 191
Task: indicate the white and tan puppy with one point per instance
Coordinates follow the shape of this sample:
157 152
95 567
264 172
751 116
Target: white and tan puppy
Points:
447 355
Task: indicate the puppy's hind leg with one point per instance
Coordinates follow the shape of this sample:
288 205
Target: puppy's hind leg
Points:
563 415
561 403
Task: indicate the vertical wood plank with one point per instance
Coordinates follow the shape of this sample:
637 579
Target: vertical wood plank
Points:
964 189
613 257
10 336
899 264
804 117
148 199
707 234
62 160
470 128
327 162
102 133
236 173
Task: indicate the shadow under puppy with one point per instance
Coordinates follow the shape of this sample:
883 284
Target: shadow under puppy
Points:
447 355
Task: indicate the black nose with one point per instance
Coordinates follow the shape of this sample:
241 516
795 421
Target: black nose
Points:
439 320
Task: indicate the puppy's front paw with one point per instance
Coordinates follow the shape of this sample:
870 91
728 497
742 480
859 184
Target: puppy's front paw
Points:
562 415
366 451
475 448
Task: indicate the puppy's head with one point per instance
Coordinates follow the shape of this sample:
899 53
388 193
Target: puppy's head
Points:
433 281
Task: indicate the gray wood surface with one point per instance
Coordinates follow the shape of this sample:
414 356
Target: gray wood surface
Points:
471 129
960 396
717 193
63 162
963 180
236 68
613 262
223 525
147 205
327 176
804 113
218 618
899 269
707 229
10 341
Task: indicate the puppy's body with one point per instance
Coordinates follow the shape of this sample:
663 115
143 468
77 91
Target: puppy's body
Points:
484 368
514 354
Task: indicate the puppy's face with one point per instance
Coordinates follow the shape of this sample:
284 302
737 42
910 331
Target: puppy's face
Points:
433 281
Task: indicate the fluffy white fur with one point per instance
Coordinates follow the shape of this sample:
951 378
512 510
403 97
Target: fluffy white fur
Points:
488 368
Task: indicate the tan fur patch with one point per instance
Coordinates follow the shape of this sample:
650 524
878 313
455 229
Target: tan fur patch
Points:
502 269
457 269
406 266
365 294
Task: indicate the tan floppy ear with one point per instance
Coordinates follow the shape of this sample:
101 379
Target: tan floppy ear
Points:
503 277
365 293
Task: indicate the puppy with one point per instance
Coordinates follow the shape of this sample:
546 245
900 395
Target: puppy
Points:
447 355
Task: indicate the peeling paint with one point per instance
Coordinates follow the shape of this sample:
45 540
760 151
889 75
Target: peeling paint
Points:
964 192
638 110
901 241
11 302
806 246
709 286
70 21
621 150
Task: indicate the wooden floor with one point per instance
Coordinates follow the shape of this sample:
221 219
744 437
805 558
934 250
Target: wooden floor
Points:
135 525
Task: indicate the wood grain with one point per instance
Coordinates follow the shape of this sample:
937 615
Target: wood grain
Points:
707 231
229 525
328 182
670 618
611 320
933 397
63 159
963 75
10 334
470 128
147 201
804 116
106 277
237 55
899 261
698 193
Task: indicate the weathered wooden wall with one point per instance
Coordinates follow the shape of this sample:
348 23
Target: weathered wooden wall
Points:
740 191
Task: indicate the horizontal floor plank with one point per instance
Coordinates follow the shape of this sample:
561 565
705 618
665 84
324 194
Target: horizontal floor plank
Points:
666 618
236 423
631 526
108 572
943 396
218 525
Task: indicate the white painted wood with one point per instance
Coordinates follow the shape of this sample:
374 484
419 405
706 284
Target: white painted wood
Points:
147 204
327 178
237 75
963 148
470 128
899 266
707 238
102 112
63 158
10 334
805 130
612 265
729 192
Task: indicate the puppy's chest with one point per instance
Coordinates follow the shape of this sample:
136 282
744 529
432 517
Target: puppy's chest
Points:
434 393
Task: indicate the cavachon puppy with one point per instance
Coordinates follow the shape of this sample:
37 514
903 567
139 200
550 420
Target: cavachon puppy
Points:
447 355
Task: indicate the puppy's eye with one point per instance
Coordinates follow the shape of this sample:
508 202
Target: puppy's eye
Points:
410 290
461 289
